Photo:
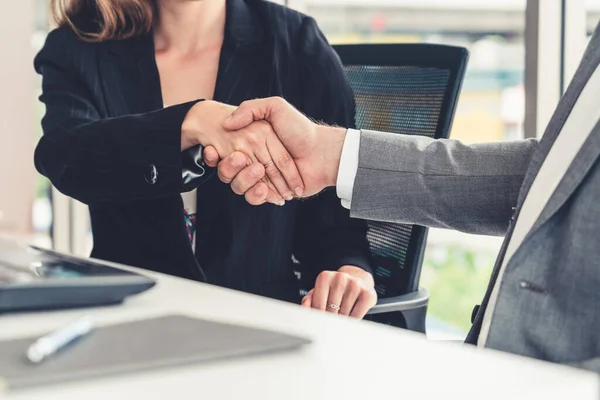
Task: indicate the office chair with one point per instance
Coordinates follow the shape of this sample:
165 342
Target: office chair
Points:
410 89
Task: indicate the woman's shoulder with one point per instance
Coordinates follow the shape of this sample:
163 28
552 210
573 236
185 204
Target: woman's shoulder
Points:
65 36
63 46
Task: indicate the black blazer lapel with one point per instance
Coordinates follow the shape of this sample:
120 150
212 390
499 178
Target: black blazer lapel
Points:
131 83
247 56
246 71
243 72
130 76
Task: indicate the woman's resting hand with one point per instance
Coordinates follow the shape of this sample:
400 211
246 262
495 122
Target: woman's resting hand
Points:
347 291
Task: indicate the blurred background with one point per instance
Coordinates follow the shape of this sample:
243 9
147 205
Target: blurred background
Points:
491 108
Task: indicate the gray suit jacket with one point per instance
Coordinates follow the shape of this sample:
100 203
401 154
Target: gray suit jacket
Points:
473 188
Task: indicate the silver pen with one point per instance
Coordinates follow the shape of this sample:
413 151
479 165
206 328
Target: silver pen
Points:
55 341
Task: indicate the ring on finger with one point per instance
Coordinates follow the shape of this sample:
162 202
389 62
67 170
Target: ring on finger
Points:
333 306
269 164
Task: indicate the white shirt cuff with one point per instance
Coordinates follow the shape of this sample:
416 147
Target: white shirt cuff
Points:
348 167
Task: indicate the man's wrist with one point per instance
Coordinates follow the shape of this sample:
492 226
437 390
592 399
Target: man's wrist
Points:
333 141
348 167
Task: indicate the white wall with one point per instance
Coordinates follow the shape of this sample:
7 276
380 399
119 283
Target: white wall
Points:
17 116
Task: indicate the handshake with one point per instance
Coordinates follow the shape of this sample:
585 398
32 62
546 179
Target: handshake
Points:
266 149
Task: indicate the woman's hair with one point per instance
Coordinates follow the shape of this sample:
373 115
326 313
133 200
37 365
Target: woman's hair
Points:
100 20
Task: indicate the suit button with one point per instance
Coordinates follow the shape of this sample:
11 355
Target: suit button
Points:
151 175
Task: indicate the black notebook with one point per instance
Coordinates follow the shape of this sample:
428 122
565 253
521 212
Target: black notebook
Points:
135 346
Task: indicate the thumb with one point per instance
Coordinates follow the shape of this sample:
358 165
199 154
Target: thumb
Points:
239 119
248 112
307 300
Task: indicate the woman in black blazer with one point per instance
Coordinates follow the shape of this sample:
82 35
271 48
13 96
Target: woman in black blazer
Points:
120 78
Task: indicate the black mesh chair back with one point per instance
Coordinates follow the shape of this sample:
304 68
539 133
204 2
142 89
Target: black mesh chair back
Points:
409 89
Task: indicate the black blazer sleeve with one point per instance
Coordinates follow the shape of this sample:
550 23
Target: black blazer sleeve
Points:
326 237
91 157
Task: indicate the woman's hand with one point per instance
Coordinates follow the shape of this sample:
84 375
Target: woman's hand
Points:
204 125
348 291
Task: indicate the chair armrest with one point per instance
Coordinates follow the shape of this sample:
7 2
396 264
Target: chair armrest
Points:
405 302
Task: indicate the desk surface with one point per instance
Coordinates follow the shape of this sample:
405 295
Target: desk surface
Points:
349 359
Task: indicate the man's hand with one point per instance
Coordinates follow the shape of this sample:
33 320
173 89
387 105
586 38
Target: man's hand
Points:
314 149
204 125
347 291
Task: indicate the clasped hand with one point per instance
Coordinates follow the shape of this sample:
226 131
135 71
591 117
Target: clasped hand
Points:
255 145
269 152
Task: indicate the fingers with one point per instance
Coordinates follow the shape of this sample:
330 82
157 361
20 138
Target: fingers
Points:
250 183
258 194
273 196
337 288
321 290
307 300
262 145
232 165
252 119
341 293
276 180
275 176
246 179
351 295
362 306
284 165
211 157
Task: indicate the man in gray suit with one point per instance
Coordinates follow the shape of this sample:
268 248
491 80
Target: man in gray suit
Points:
543 300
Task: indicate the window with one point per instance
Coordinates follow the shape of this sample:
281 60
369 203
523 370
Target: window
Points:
491 108
592 15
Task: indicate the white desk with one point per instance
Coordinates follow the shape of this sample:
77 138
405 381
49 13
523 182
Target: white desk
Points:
349 359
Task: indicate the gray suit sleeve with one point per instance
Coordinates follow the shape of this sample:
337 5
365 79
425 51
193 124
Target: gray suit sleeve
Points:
439 183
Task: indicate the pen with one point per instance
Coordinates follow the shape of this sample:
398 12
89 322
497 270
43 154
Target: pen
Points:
55 341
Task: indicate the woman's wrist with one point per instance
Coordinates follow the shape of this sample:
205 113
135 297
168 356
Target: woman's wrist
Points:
192 132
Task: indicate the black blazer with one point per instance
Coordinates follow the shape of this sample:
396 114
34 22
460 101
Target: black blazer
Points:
106 135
